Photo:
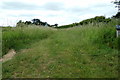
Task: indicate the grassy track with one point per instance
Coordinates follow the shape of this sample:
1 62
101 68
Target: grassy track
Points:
79 52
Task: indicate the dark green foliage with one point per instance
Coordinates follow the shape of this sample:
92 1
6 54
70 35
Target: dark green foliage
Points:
28 22
99 18
56 25
94 21
36 21
118 43
117 15
21 24
117 3
108 37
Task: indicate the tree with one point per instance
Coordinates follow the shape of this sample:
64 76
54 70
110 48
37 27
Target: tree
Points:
20 24
36 21
117 2
28 22
99 18
56 25
117 15
20 21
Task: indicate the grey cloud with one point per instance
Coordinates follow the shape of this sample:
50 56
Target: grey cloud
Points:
54 6
86 10
23 15
19 6
28 15
52 15
79 10
100 5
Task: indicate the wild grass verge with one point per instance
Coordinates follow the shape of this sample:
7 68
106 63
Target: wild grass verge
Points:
20 38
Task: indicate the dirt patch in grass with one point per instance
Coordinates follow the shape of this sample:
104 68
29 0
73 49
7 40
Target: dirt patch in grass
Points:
8 56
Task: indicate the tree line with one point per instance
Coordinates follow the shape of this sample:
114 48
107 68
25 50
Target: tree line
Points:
97 19
35 22
94 21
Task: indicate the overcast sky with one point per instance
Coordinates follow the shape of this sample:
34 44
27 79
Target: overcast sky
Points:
53 11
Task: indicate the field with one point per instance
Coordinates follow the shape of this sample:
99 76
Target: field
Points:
88 51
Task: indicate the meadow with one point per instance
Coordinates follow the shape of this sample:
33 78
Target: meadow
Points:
88 51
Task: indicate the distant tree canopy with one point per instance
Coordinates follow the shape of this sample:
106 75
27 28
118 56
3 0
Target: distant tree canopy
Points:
117 15
34 22
117 3
55 25
94 20
28 22
20 24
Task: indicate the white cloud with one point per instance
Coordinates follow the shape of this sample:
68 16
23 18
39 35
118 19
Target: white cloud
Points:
53 11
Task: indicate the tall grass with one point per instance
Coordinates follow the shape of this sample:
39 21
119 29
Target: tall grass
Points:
0 41
88 51
21 37
18 38
0 52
